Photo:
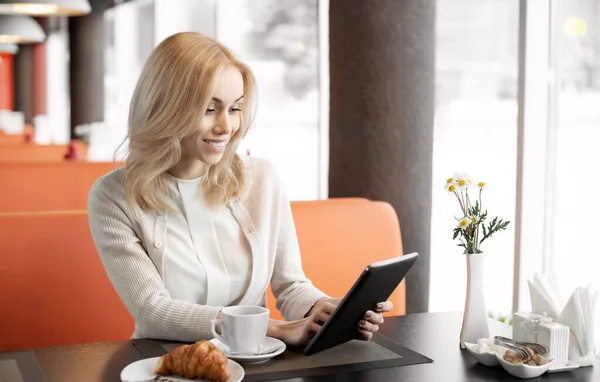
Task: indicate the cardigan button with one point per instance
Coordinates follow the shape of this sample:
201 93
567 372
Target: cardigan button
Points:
248 230
157 244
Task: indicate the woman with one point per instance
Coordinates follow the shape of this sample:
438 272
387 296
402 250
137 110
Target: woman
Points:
188 227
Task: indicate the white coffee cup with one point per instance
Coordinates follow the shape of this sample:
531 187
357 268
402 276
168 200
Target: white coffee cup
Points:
243 327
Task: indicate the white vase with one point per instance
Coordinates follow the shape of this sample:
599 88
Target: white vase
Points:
475 323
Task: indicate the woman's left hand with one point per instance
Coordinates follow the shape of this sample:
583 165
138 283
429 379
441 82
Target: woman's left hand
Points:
372 319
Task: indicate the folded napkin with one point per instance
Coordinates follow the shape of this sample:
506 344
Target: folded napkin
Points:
580 314
545 295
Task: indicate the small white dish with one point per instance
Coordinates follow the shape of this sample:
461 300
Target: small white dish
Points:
268 343
521 370
144 370
487 358
569 366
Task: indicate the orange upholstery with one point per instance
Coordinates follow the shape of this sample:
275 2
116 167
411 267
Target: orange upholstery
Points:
37 153
49 186
11 140
55 290
339 239
16 139
330 201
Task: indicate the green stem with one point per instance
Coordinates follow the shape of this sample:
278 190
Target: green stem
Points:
468 201
478 224
477 238
462 207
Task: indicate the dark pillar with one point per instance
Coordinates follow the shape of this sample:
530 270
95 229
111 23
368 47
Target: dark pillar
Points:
24 85
381 117
86 44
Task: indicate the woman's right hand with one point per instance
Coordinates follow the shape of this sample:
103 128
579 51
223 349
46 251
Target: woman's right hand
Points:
300 332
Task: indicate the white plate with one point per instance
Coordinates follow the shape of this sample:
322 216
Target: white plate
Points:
144 370
570 366
268 343
521 370
484 358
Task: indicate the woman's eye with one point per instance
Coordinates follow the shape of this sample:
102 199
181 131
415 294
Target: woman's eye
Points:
235 110
210 111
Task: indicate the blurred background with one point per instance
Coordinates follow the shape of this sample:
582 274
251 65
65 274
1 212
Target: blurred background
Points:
516 105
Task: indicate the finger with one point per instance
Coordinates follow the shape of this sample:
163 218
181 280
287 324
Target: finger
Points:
374 318
312 327
368 326
320 317
328 307
384 307
365 335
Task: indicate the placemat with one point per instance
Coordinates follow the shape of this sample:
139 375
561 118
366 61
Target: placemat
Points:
380 352
21 366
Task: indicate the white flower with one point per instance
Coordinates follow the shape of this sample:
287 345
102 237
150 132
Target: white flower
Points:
473 219
464 222
462 179
450 187
483 186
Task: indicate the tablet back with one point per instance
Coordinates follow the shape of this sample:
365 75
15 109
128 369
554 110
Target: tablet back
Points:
375 284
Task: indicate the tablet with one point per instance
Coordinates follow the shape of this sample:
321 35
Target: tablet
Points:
375 284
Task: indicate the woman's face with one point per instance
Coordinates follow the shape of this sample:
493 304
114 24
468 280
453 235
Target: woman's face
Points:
206 145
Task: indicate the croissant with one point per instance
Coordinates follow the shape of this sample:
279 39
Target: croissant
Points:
202 360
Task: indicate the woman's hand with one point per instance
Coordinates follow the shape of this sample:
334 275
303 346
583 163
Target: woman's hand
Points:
372 320
300 332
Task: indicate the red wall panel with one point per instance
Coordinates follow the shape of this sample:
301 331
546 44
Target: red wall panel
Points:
7 101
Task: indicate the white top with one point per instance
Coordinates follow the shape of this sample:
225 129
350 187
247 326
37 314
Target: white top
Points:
132 251
205 246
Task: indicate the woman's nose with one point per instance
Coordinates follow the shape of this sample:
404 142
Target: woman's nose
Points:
223 125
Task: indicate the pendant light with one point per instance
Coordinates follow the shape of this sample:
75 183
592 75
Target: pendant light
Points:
9 48
46 7
20 30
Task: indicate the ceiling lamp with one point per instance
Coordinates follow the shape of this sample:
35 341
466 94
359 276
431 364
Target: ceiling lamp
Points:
9 48
45 7
20 30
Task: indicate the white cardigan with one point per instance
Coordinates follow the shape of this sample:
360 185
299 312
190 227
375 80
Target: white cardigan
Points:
132 253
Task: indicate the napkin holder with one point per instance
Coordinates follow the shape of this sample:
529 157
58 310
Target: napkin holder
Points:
579 314
525 325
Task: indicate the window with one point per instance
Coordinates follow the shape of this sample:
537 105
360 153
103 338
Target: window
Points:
283 41
573 253
475 132
129 31
477 127
279 40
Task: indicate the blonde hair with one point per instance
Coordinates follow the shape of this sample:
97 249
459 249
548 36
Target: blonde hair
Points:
170 98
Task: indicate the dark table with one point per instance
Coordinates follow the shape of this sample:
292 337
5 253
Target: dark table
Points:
434 335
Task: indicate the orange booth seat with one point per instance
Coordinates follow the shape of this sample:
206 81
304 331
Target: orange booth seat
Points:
38 153
54 287
48 186
55 290
338 238
12 140
16 139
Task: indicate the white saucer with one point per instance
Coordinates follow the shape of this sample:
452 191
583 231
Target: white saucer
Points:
484 358
269 343
144 370
569 366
